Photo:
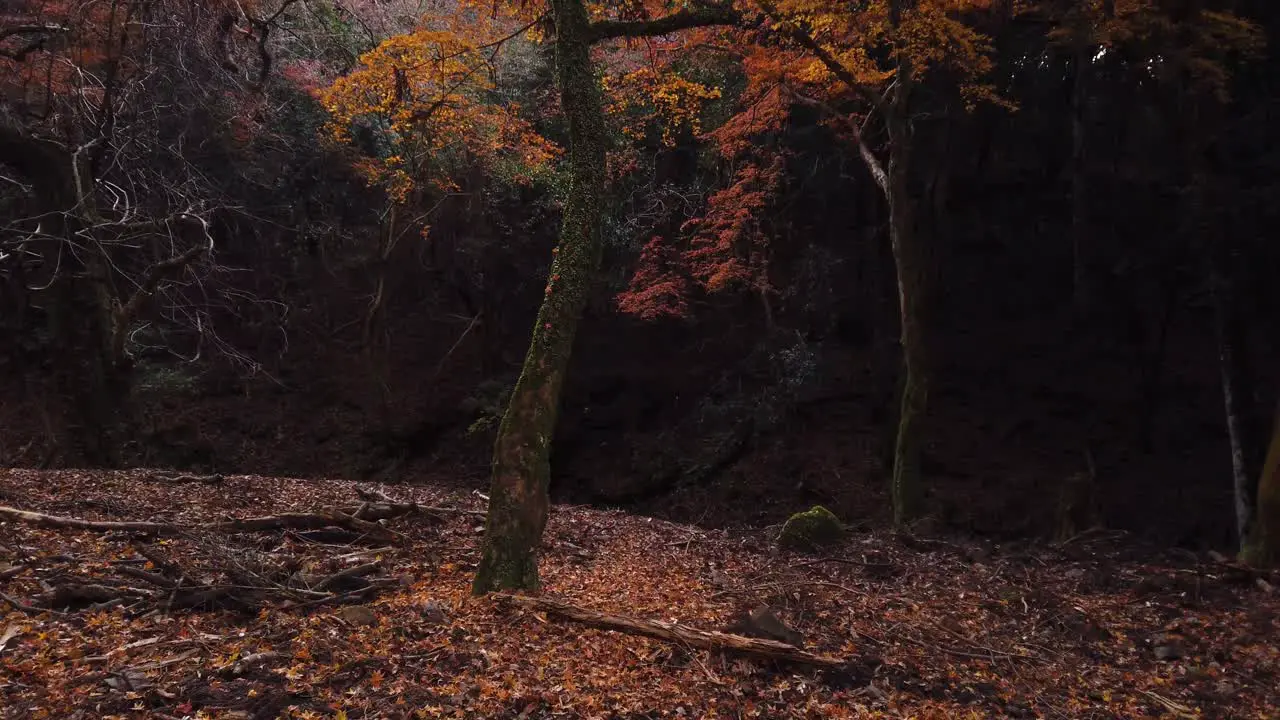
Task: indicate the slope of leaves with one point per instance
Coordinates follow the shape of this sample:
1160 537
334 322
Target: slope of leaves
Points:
1091 628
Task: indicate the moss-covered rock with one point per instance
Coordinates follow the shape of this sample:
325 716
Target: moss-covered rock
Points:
814 528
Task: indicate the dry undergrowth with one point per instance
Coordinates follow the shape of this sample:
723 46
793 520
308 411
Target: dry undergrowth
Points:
323 621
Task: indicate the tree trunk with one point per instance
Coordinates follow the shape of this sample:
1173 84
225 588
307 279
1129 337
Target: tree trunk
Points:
911 262
519 500
91 387
1263 547
1236 389
374 336
1081 240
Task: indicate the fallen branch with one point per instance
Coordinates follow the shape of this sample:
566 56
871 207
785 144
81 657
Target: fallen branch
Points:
284 521
353 573
181 479
243 664
54 521
384 504
707 639
12 572
23 607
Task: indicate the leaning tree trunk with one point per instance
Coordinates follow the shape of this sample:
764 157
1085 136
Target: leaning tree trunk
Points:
1263 547
912 266
519 501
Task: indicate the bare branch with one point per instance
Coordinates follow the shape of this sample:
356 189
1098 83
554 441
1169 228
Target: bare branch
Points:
686 19
873 163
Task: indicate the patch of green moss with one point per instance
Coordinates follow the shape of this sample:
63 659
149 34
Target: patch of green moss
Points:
812 529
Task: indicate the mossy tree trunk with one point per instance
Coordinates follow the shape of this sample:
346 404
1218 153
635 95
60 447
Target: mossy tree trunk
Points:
912 264
1263 547
519 501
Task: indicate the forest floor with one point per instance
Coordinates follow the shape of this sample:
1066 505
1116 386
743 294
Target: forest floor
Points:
312 614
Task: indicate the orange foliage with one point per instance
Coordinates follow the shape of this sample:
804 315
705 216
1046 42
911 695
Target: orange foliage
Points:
728 246
660 287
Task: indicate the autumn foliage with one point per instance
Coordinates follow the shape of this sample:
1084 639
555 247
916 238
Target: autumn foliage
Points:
424 95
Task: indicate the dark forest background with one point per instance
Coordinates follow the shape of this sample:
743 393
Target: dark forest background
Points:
1097 249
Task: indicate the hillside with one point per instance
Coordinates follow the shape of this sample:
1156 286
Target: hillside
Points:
201 617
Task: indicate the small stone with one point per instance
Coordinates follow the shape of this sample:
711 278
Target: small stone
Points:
1167 647
432 612
358 615
763 623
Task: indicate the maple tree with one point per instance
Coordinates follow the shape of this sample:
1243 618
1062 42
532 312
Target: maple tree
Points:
858 64
425 98
519 502
425 88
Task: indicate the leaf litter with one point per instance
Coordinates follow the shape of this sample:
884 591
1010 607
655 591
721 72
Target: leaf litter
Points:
335 622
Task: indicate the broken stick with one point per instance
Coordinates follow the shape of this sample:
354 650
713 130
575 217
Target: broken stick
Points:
707 639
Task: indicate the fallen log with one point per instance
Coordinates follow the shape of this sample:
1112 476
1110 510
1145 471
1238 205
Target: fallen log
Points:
674 632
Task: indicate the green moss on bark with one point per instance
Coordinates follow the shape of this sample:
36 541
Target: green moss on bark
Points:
519 502
912 264
1263 546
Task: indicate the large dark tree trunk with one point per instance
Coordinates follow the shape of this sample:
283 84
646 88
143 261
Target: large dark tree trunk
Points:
518 503
1081 233
1263 547
92 387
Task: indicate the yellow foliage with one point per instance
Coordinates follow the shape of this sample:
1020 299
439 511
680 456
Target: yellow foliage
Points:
425 94
674 102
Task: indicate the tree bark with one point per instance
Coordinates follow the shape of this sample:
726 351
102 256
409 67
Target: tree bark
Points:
1237 389
911 262
519 499
1263 547
1081 240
